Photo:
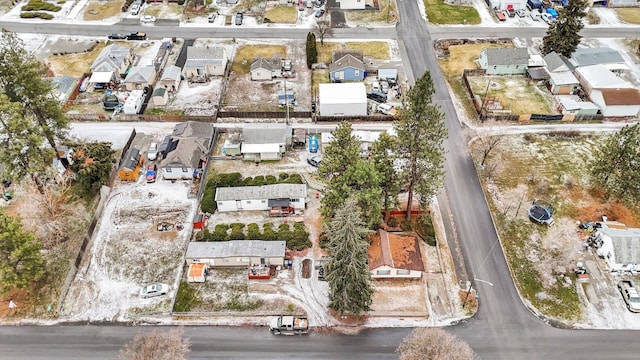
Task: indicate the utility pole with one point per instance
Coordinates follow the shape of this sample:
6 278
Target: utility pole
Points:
286 102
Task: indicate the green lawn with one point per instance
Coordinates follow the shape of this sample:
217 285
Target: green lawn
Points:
440 13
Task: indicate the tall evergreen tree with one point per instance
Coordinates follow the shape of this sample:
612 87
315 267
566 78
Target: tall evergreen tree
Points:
21 79
20 259
342 152
92 164
563 36
616 169
312 50
361 182
421 133
384 158
347 271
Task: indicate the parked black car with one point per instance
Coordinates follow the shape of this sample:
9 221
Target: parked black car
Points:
117 36
137 36
110 102
377 96
321 273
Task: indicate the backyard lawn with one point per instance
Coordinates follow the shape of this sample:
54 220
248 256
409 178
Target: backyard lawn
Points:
440 13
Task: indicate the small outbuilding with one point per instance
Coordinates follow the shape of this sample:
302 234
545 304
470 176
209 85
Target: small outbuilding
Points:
171 78
563 83
130 165
160 96
197 272
572 104
620 246
266 197
200 221
265 69
347 99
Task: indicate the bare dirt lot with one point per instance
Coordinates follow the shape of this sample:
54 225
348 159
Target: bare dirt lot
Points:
515 94
554 169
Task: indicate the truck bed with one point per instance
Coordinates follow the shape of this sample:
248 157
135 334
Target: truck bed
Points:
301 323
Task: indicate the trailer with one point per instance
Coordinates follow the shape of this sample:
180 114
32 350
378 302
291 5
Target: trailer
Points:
289 325
134 102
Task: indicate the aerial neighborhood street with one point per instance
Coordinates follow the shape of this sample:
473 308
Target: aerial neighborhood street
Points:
344 171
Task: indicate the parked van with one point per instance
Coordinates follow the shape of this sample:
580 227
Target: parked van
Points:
386 109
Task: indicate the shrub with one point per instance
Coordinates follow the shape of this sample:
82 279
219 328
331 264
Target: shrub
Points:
270 179
393 222
219 233
229 180
425 229
323 240
266 20
30 15
258 180
40 5
187 298
181 2
208 203
406 225
237 232
253 232
283 176
284 232
268 233
294 179
299 238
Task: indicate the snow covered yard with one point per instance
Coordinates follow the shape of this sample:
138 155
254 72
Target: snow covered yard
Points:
399 297
128 252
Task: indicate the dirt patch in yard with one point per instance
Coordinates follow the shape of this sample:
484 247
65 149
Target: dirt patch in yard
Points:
398 296
515 94
77 64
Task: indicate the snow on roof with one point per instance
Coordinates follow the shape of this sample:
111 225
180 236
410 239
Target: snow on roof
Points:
265 192
563 78
573 102
236 248
598 77
259 148
199 56
111 56
626 243
342 93
101 77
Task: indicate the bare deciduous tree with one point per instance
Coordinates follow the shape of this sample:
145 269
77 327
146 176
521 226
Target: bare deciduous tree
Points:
323 29
434 344
487 144
163 345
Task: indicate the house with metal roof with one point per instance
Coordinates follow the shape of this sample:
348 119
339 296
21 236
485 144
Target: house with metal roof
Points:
504 61
610 58
236 253
619 246
265 69
204 61
395 256
171 78
186 151
563 83
266 197
265 141
140 77
348 67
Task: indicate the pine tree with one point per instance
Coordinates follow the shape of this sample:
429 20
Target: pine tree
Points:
20 259
615 168
92 164
341 153
563 36
347 271
384 158
312 51
421 133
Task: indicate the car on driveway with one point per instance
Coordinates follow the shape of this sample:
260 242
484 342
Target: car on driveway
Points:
319 13
148 19
314 160
117 36
521 13
535 16
154 290
239 18
629 295
211 18
152 154
151 173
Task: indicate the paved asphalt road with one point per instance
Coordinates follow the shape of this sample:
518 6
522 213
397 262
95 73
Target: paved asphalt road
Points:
503 327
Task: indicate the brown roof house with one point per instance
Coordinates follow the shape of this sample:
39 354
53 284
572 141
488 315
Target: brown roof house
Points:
395 256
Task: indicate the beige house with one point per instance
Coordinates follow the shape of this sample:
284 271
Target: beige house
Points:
140 77
265 69
236 253
203 62
395 256
171 78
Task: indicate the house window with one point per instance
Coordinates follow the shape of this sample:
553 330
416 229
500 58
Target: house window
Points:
356 72
294 200
167 169
263 201
402 272
383 272
517 66
185 170
495 67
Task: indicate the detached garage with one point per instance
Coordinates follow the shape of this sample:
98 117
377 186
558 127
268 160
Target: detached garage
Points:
348 99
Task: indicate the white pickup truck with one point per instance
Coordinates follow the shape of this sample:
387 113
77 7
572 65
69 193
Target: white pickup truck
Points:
630 295
289 325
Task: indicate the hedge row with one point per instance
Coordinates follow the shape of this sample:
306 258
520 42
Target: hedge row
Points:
31 15
297 239
235 179
40 5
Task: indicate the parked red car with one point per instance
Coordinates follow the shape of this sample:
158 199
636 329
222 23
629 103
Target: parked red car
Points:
151 173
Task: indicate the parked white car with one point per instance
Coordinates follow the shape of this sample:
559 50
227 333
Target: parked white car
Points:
152 154
154 290
135 9
147 19
535 16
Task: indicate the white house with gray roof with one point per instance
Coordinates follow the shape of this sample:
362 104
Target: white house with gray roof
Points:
504 61
113 59
140 77
265 141
620 246
265 69
187 150
205 61
236 253
264 197
170 78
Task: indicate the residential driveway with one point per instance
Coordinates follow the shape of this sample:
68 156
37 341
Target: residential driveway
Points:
338 19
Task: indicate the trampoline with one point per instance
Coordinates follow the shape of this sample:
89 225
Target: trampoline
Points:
541 213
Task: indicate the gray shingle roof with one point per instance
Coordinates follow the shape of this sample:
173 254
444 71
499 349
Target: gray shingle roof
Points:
192 140
594 56
265 133
198 57
337 55
555 62
264 63
110 58
265 192
236 248
345 62
507 56
130 159
171 73
140 74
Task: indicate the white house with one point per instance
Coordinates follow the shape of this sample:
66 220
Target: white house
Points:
343 99
620 246
140 77
395 256
205 61
236 253
186 151
265 141
599 77
617 102
266 197
352 4
265 69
